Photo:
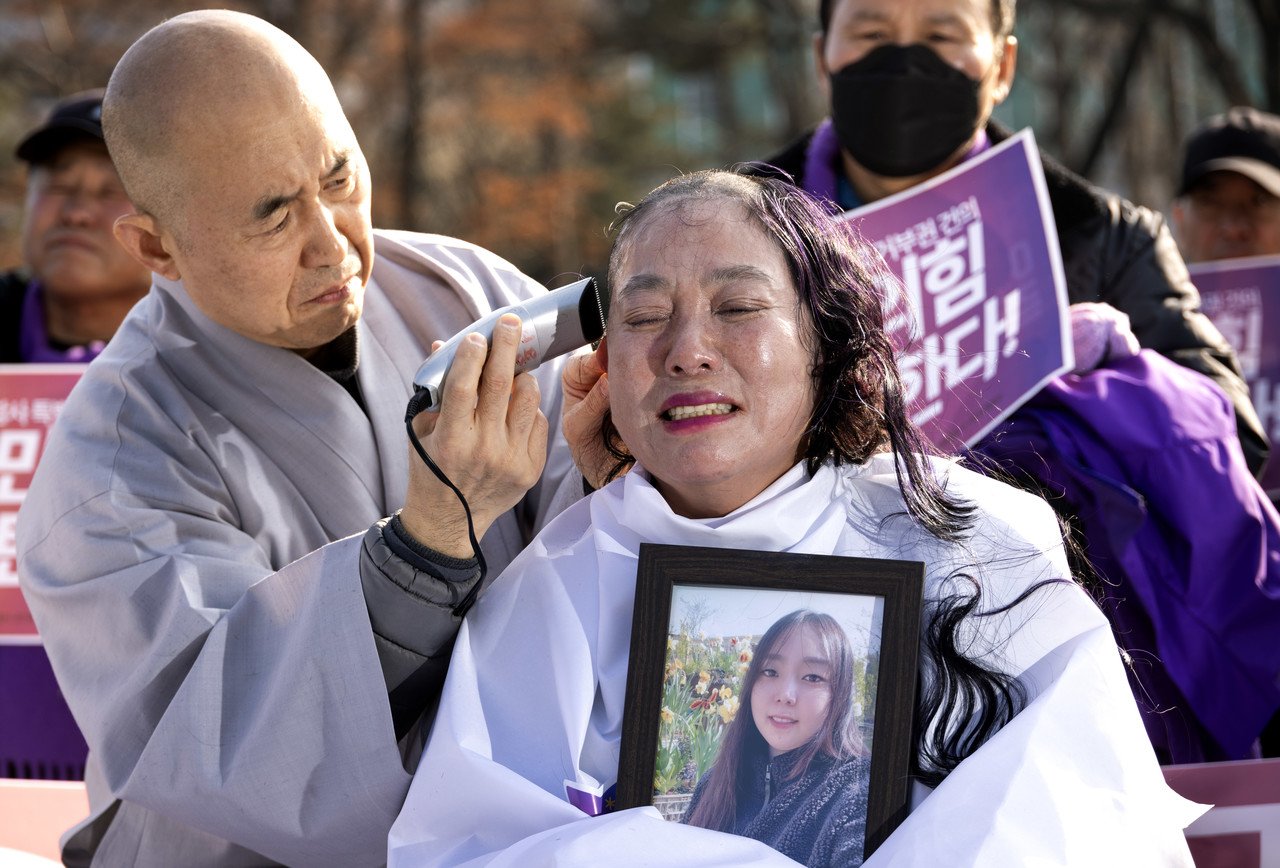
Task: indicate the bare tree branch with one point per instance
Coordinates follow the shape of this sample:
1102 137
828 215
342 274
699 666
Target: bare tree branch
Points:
1119 86
1197 23
1268 14
412 181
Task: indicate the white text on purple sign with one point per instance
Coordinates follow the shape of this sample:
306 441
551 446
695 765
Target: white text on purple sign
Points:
962 331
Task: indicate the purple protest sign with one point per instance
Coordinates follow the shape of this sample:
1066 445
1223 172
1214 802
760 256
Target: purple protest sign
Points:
38 736
976 251
1242 297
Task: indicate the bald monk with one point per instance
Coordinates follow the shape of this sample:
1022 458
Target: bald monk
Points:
225 546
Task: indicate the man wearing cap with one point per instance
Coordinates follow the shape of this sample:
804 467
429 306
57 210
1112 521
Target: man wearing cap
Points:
78 282
1228 202
1228 206
75 289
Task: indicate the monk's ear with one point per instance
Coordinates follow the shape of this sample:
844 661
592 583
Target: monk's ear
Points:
602 354
141 235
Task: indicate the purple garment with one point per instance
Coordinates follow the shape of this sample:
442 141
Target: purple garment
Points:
33 340
1144 454
822 160
38 736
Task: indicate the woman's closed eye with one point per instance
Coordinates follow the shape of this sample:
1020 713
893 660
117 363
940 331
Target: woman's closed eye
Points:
739 309
645 318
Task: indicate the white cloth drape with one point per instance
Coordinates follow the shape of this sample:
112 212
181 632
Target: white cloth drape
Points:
535 692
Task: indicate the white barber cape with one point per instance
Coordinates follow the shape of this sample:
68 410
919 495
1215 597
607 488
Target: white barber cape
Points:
186 549
535 693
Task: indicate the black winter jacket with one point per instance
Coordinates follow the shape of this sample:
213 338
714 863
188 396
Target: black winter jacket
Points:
13 293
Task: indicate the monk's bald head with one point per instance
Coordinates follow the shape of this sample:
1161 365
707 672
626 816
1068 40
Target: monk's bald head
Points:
188 86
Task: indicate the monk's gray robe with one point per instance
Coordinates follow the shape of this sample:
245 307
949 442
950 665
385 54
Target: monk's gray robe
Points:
190 549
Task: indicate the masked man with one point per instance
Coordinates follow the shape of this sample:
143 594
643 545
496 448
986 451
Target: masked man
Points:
1134 451
911 85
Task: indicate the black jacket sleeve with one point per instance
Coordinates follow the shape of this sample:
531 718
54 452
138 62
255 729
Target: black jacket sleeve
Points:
412 592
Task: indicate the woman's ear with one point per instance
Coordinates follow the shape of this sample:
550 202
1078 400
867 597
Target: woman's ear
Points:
602 354
142 236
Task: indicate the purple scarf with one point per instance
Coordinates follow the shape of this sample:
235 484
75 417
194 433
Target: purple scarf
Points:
33 339
822 158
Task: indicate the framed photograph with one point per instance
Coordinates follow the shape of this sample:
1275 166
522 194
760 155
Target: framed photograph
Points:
771 695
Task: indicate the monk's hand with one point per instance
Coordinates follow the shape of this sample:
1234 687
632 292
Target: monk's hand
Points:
586 399
489 437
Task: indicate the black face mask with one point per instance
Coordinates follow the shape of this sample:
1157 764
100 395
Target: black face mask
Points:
902 109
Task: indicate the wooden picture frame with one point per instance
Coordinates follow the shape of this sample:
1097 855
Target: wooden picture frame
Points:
731 597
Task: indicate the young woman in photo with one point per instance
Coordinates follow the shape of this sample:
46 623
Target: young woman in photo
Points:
792 771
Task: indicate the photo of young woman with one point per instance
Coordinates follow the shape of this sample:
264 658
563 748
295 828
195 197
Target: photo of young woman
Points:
792 771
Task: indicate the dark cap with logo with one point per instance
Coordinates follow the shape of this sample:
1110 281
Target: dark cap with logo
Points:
1243 140
75 118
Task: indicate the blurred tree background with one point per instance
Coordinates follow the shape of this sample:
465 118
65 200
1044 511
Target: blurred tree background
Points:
519 125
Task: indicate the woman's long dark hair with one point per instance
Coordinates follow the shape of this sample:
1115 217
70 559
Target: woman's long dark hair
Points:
838 738
860 409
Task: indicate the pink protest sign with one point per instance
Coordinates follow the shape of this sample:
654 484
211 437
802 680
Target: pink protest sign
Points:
30 398
976 251
1242 830
1242 297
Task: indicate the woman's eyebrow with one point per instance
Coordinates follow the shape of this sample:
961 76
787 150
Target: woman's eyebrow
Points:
737 273
638 283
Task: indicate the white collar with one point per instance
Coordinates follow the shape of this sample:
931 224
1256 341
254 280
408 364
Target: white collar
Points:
796 513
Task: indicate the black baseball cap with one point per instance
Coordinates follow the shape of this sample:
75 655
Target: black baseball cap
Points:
1243 140
79 116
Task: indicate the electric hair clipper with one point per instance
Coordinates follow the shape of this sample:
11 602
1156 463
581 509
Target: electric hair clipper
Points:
551 325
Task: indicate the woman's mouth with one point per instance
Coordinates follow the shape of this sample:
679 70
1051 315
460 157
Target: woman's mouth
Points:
692 411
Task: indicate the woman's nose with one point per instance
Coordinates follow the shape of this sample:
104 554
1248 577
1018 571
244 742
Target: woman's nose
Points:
693 348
